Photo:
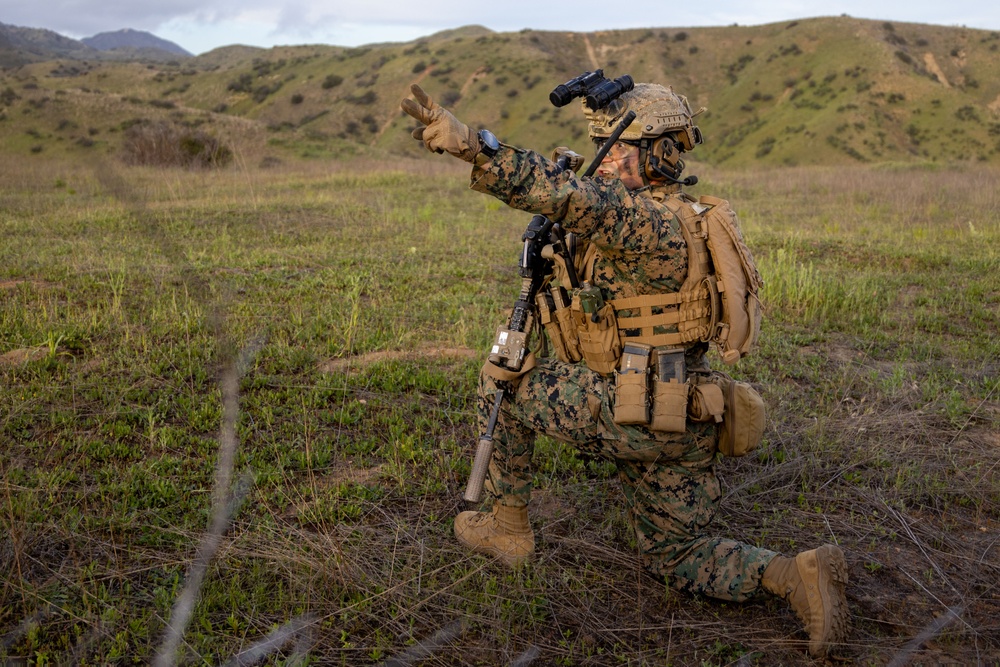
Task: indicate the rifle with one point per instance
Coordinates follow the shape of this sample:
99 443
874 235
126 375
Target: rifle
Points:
511 344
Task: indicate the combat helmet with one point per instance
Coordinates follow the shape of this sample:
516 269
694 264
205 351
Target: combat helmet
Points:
663 128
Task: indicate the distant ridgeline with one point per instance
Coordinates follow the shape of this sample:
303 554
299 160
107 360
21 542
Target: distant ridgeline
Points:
832 90
19 46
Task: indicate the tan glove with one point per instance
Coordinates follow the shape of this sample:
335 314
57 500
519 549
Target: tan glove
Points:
443 133
575 159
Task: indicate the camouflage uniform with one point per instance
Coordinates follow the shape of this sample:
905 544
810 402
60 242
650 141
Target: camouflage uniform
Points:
668 478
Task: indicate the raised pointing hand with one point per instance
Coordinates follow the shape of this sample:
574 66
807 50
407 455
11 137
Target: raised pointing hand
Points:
442 132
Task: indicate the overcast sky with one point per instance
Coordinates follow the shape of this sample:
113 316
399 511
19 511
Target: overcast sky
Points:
202 25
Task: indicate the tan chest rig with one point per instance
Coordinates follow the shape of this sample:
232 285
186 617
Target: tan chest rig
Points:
641 339
718 302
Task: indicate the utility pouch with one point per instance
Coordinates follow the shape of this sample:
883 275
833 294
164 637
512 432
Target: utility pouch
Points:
598 334
707 403
632 385
742 425
670 391
564 319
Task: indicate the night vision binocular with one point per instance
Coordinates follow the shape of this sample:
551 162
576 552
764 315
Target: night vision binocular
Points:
597 91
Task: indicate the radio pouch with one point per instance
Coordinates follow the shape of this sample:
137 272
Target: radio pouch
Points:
598 334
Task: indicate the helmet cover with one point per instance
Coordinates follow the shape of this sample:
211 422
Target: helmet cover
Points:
659 111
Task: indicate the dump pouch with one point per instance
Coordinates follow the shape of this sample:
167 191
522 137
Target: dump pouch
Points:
742 425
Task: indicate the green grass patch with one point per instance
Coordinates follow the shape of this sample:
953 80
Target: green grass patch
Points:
353 304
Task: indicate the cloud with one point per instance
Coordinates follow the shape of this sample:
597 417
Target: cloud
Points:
200 25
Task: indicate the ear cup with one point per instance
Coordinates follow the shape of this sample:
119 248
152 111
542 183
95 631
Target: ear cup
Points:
662 153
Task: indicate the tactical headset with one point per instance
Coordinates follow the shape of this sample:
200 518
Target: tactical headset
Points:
661 160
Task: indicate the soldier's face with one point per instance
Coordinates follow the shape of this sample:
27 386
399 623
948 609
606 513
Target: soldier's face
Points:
622 162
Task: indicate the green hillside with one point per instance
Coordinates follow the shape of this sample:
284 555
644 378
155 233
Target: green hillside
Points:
818 91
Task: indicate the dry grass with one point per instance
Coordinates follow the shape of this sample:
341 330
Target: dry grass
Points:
882 434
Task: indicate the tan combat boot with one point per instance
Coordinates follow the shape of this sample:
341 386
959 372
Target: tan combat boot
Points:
813 584
504 532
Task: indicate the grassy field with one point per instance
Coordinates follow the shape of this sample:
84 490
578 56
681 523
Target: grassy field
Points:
236 418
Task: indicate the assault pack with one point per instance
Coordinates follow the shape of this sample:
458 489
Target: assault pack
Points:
721 275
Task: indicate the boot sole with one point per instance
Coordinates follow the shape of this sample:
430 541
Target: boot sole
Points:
832 585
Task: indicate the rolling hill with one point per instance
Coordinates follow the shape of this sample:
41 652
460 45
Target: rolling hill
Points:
833 90
132 39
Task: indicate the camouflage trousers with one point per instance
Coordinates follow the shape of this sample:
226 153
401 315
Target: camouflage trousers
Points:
668 478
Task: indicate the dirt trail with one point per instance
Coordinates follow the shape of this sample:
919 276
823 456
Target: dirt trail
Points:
476 76
931 63
392 117
590 52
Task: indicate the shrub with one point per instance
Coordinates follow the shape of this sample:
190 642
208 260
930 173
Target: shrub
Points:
967 113
297 98
368 97
164 145
765 147
450 97
261 93
241 85
332 81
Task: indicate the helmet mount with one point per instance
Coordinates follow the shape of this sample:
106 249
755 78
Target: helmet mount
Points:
664 129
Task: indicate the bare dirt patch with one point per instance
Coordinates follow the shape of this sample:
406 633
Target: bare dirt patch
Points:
359 362
12 284
23 356
933 68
